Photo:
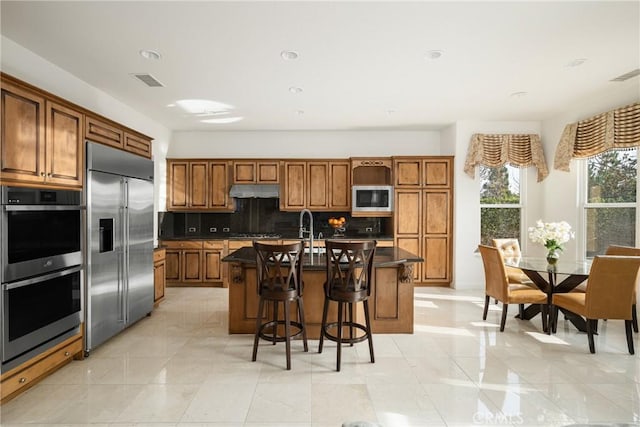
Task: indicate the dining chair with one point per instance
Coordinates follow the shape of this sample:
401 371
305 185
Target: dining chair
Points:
279 280
609 295
497 286
350 278
627 251
510 248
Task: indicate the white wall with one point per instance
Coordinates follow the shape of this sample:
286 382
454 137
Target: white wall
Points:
303 144
31 68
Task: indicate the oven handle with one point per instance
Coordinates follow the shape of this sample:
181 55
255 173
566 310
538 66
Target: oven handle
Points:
42 278
39 208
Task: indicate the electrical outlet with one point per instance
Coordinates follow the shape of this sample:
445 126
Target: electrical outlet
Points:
226 229
213 230
192 229
369 229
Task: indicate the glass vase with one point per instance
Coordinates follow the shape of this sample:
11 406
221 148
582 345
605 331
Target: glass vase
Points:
552 256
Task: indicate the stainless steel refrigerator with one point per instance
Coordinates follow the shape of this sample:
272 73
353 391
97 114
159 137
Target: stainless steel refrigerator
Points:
119 191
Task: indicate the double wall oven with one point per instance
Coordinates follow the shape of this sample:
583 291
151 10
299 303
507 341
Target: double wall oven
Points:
41 270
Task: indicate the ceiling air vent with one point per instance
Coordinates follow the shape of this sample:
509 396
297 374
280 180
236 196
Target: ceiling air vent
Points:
148 79
627 76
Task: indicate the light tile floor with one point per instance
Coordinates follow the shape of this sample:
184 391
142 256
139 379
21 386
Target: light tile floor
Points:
179 367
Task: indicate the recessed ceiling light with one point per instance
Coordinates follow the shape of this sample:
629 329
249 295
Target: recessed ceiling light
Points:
202 106
295 89
289 55
223 120
171 105
576 62
434 54
150 54
518 94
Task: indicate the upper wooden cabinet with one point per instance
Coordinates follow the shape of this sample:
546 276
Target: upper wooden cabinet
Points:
41 140
317 185
432 172
100 131
256 172
371 171
198 185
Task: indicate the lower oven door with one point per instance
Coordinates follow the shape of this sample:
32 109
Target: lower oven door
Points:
39 309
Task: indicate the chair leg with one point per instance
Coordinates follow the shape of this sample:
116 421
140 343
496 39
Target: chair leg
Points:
275 321
258 324
351 321
302 322
369 334
592 346
339 336
324 323
627 327
486 307
634 318
287 331
521 311
505 307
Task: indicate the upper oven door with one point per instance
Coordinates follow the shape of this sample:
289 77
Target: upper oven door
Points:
40 239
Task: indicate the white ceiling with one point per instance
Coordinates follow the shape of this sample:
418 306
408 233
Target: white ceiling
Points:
358 60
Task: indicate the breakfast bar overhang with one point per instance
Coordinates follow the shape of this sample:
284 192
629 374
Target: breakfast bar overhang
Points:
391 301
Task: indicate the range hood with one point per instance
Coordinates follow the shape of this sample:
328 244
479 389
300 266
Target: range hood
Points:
257 191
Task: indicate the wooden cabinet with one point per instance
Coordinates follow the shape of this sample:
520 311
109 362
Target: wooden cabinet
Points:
41 139
423 214
137 144
159 275
195 262
100 131
256 172
322 185
22 377
198 185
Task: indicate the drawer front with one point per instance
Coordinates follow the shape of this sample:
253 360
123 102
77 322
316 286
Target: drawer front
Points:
96 130
137 145
37 370
213 244
159 255
182 244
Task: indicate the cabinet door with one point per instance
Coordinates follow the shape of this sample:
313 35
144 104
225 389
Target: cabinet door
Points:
213 265
192 265
437 172
339 186
244 172
64 149
102 132
137 145
159 272
408 212
294 186
436 259
172 265
411 244
219 186
436 212
408 172
198 185
268 172
318 185
22 134
177 184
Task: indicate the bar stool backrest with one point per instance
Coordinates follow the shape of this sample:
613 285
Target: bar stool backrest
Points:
279 268
349 269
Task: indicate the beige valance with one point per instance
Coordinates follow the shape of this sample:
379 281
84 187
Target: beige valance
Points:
616 129
520 150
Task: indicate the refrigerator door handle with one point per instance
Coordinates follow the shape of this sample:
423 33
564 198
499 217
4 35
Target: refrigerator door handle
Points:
126 243
120 290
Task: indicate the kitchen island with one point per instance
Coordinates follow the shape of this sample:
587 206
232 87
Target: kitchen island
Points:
391 301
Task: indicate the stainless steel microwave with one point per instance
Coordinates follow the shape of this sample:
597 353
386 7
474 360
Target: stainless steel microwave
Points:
372 198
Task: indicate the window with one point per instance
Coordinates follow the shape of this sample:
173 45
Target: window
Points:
500 206
610 201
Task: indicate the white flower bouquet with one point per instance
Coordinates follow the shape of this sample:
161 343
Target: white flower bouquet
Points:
551 234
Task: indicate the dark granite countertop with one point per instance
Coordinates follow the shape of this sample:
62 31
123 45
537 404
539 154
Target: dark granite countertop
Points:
222 237
384 257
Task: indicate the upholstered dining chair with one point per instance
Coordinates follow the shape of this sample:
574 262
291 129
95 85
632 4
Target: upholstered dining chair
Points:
609 295
497 286
510 248
627 251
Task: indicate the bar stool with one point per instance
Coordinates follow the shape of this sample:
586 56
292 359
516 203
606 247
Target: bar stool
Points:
279 279
349 280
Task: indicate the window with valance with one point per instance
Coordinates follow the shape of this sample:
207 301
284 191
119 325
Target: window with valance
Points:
616 129
520 150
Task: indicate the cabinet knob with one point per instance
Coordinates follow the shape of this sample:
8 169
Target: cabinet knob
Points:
49 174
41 173
22 380
66 353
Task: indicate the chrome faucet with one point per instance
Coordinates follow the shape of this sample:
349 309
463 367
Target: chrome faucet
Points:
302 230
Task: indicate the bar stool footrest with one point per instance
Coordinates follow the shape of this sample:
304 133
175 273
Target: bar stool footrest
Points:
345 340
279 338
